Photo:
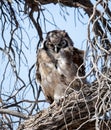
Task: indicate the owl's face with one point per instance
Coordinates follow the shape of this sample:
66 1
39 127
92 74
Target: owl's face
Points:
57 40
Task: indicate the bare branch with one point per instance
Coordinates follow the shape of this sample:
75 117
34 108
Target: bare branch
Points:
13 113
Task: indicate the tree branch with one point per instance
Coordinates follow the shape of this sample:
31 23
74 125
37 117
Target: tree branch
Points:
13 113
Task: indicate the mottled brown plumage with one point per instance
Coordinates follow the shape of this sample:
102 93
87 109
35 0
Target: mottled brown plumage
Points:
57 65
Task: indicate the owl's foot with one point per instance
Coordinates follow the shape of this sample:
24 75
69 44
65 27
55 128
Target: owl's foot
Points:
58 102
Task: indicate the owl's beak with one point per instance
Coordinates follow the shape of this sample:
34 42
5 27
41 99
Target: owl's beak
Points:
56 49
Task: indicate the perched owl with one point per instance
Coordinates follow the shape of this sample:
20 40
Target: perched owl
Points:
58 64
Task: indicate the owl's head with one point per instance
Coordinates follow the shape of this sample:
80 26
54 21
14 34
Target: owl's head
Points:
56 40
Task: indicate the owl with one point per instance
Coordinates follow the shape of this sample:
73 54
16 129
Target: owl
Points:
58 64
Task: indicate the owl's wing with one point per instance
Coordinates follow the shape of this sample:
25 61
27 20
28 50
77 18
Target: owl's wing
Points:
78 58
38 75
70 61
42 72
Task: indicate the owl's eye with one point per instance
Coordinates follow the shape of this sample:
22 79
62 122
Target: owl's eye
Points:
63 44
51 45
48 45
